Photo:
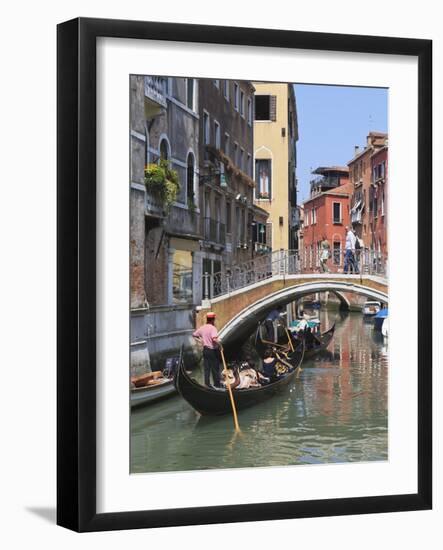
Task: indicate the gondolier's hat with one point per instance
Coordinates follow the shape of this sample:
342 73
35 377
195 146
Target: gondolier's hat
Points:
210 315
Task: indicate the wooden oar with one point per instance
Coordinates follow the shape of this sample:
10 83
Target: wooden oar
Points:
272 344
289 339
231 395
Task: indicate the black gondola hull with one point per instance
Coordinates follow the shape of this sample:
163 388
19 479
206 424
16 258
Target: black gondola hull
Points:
213 402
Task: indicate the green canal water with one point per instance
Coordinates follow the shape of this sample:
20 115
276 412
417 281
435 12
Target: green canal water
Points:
335 412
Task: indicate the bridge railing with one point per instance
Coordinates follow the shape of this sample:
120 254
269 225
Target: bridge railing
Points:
290 262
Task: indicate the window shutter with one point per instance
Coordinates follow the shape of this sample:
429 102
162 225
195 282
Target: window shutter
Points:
273 107
269 234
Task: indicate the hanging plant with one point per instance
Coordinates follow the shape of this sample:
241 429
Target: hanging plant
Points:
163 182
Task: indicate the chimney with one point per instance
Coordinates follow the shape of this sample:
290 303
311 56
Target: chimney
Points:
356 150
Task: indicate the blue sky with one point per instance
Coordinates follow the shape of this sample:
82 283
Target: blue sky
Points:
331 121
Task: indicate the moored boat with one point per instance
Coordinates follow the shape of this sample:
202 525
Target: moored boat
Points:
154 385
379 318
215 402
370 308
149 394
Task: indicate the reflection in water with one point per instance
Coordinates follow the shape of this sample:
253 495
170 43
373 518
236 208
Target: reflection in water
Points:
335 412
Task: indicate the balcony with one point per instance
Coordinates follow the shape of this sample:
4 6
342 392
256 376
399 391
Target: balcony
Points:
155 95
214 231
182 221
153 206
261 248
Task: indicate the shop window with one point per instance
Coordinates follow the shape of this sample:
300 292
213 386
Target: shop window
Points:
182 277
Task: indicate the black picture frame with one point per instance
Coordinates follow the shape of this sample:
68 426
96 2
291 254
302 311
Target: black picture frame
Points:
76 293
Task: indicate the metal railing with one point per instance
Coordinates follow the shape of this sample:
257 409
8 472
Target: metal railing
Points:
290 262
155 89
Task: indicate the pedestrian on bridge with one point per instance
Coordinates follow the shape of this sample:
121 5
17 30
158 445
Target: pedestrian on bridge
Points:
350 263
325 254
207 335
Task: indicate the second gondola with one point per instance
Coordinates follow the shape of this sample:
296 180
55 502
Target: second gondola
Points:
312 347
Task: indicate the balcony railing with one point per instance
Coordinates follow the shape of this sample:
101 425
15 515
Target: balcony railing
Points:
324 183
155 89
214 231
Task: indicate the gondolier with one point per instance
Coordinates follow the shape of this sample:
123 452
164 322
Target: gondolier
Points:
207 335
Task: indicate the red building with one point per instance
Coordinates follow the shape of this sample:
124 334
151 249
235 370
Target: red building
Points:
326 214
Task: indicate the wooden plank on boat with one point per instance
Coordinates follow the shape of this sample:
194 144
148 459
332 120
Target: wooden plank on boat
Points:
144 379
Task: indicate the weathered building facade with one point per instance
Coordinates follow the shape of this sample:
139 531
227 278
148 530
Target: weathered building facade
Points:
378 202
360 174
165 251
275 138
229 220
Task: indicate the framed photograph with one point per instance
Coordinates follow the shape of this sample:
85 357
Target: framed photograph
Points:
244 274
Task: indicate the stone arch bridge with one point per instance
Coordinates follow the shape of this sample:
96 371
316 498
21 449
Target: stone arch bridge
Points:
239 311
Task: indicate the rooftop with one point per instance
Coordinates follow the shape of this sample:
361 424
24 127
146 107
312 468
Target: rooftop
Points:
323 170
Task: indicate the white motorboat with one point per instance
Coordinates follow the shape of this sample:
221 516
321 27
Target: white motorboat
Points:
371 308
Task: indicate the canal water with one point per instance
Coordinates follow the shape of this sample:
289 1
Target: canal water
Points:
335 412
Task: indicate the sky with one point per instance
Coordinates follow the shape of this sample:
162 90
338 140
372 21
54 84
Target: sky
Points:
331 121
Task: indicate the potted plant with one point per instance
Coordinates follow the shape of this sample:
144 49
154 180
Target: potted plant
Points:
162 182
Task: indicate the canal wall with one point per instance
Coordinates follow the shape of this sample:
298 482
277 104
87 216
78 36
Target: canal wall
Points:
158 333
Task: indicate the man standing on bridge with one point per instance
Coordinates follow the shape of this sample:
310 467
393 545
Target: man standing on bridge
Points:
208 336
350 262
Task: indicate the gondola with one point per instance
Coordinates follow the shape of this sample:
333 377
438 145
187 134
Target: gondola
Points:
215 402
325 339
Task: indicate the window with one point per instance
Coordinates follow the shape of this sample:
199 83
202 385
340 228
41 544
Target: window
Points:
217 134
263 169
228 217
236 96
242 103
336 212
249 111
249 167
382 205
236 153
190 178
262 107
336 252
243 226
164 150
217 83
190 93
206 138
242 159
227 145
314 216
226 89
237 217
182 277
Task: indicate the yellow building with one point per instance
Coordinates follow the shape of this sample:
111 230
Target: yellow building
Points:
275 138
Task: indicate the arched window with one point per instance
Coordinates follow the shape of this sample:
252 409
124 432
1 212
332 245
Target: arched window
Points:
164 150
190 178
